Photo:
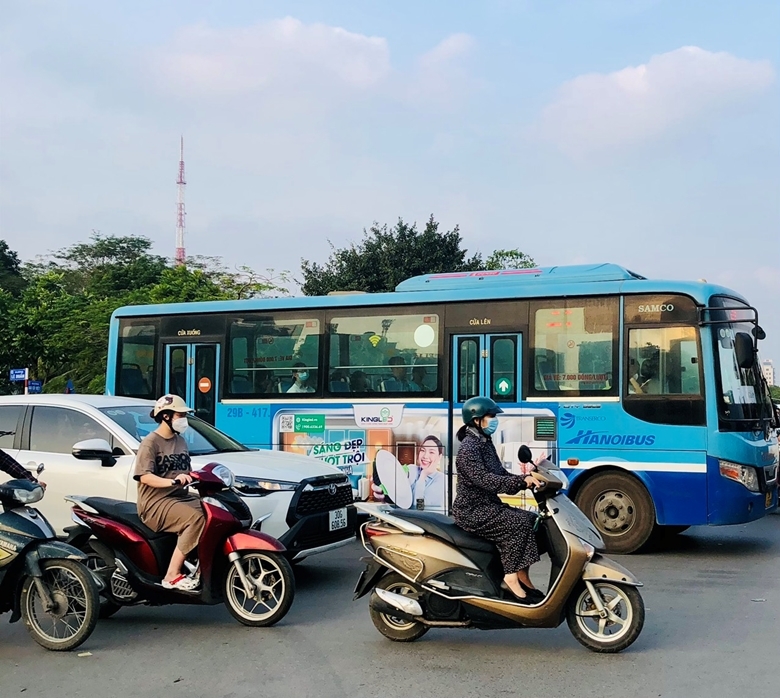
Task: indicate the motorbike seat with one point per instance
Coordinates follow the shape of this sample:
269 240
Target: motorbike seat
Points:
445 528
124 512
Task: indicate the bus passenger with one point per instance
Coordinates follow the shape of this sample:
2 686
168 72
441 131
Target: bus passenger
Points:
300 377
400 382
418 378
359 382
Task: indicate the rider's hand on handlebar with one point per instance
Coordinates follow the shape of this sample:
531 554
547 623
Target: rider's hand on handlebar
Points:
532 481
183 479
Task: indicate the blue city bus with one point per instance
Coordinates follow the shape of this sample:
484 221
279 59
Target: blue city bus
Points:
648 393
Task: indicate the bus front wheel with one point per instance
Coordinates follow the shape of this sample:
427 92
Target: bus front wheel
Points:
621 509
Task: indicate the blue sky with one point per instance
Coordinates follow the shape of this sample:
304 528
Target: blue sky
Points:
641 132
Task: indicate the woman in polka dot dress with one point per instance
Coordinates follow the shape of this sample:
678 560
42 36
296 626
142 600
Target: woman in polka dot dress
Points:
477 507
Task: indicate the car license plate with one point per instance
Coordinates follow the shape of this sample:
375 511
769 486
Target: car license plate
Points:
338 519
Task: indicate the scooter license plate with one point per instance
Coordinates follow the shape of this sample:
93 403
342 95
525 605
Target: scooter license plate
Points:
338 519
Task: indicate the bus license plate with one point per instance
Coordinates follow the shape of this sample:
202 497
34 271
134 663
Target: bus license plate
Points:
338 519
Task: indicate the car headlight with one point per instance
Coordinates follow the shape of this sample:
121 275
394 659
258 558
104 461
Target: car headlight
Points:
225 474
260 488
29 496
743 474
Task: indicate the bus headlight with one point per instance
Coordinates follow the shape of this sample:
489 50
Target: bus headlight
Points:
743 474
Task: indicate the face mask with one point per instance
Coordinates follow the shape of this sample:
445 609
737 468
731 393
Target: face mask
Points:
180 425
303 376
491 427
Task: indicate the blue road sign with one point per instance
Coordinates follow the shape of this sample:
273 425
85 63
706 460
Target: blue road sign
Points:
18 374
34 387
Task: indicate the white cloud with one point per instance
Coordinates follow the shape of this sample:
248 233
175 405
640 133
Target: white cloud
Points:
206 61
441 73
604 111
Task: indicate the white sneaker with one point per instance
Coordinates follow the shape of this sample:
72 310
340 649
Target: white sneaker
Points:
181 583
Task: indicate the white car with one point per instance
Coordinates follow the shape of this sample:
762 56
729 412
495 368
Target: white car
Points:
303 502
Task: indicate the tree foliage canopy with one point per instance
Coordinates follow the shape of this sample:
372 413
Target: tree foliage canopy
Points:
55 312
387 256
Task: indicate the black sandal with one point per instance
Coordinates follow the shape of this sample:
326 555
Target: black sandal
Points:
531 591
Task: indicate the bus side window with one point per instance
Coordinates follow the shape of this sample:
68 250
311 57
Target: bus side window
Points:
137 353
273 355
663 361
388 353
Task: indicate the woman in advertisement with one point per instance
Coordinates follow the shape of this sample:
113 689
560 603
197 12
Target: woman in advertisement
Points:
426 479
405 486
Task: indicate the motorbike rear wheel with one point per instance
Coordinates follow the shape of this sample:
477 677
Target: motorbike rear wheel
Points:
76 605
397 629
625 617
274 582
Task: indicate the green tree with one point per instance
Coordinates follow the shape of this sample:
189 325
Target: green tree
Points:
387 256
11 279
57 325
774 391
509 259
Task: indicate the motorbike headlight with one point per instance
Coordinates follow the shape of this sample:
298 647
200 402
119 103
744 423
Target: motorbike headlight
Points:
260 488
29 496
225 474
743 474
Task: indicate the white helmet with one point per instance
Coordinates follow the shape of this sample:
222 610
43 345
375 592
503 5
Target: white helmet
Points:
170 402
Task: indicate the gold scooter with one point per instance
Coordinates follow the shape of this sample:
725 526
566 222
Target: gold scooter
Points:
425 572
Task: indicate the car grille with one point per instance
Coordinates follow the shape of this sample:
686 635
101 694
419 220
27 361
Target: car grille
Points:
319 497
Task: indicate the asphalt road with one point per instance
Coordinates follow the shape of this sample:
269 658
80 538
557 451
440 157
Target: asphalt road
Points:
713 629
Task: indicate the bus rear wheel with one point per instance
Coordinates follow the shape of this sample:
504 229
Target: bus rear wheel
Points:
621 509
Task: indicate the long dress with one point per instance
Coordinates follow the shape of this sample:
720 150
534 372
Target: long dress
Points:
477 508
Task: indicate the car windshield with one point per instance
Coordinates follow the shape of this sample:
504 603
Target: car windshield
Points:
202 439
741 393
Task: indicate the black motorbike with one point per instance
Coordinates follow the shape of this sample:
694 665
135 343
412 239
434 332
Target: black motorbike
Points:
42 580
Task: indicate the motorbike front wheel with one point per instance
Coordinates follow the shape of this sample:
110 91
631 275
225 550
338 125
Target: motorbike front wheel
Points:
274 589
392 627
625 617
74 614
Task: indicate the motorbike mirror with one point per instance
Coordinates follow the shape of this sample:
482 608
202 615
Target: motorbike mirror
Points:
94 449
524 454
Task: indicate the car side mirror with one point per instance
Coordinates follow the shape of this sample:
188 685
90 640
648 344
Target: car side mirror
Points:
95 449
744 349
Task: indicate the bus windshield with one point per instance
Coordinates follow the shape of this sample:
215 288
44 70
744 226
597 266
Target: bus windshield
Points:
202 439
741 395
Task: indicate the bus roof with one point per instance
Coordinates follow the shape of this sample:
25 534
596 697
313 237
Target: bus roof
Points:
541 282
580 273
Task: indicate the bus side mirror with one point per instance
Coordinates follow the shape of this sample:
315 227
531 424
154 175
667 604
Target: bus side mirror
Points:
743 347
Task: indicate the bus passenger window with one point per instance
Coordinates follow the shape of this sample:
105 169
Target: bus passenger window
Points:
663 361
137 344
396 354
574 346
273 356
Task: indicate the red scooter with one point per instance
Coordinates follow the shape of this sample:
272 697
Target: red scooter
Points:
238 565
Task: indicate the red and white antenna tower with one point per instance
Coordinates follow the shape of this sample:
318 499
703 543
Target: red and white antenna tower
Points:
180 213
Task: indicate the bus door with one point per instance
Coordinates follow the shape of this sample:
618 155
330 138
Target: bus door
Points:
488 365
191 373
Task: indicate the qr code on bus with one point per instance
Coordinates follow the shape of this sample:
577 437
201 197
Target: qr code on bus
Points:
287 423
